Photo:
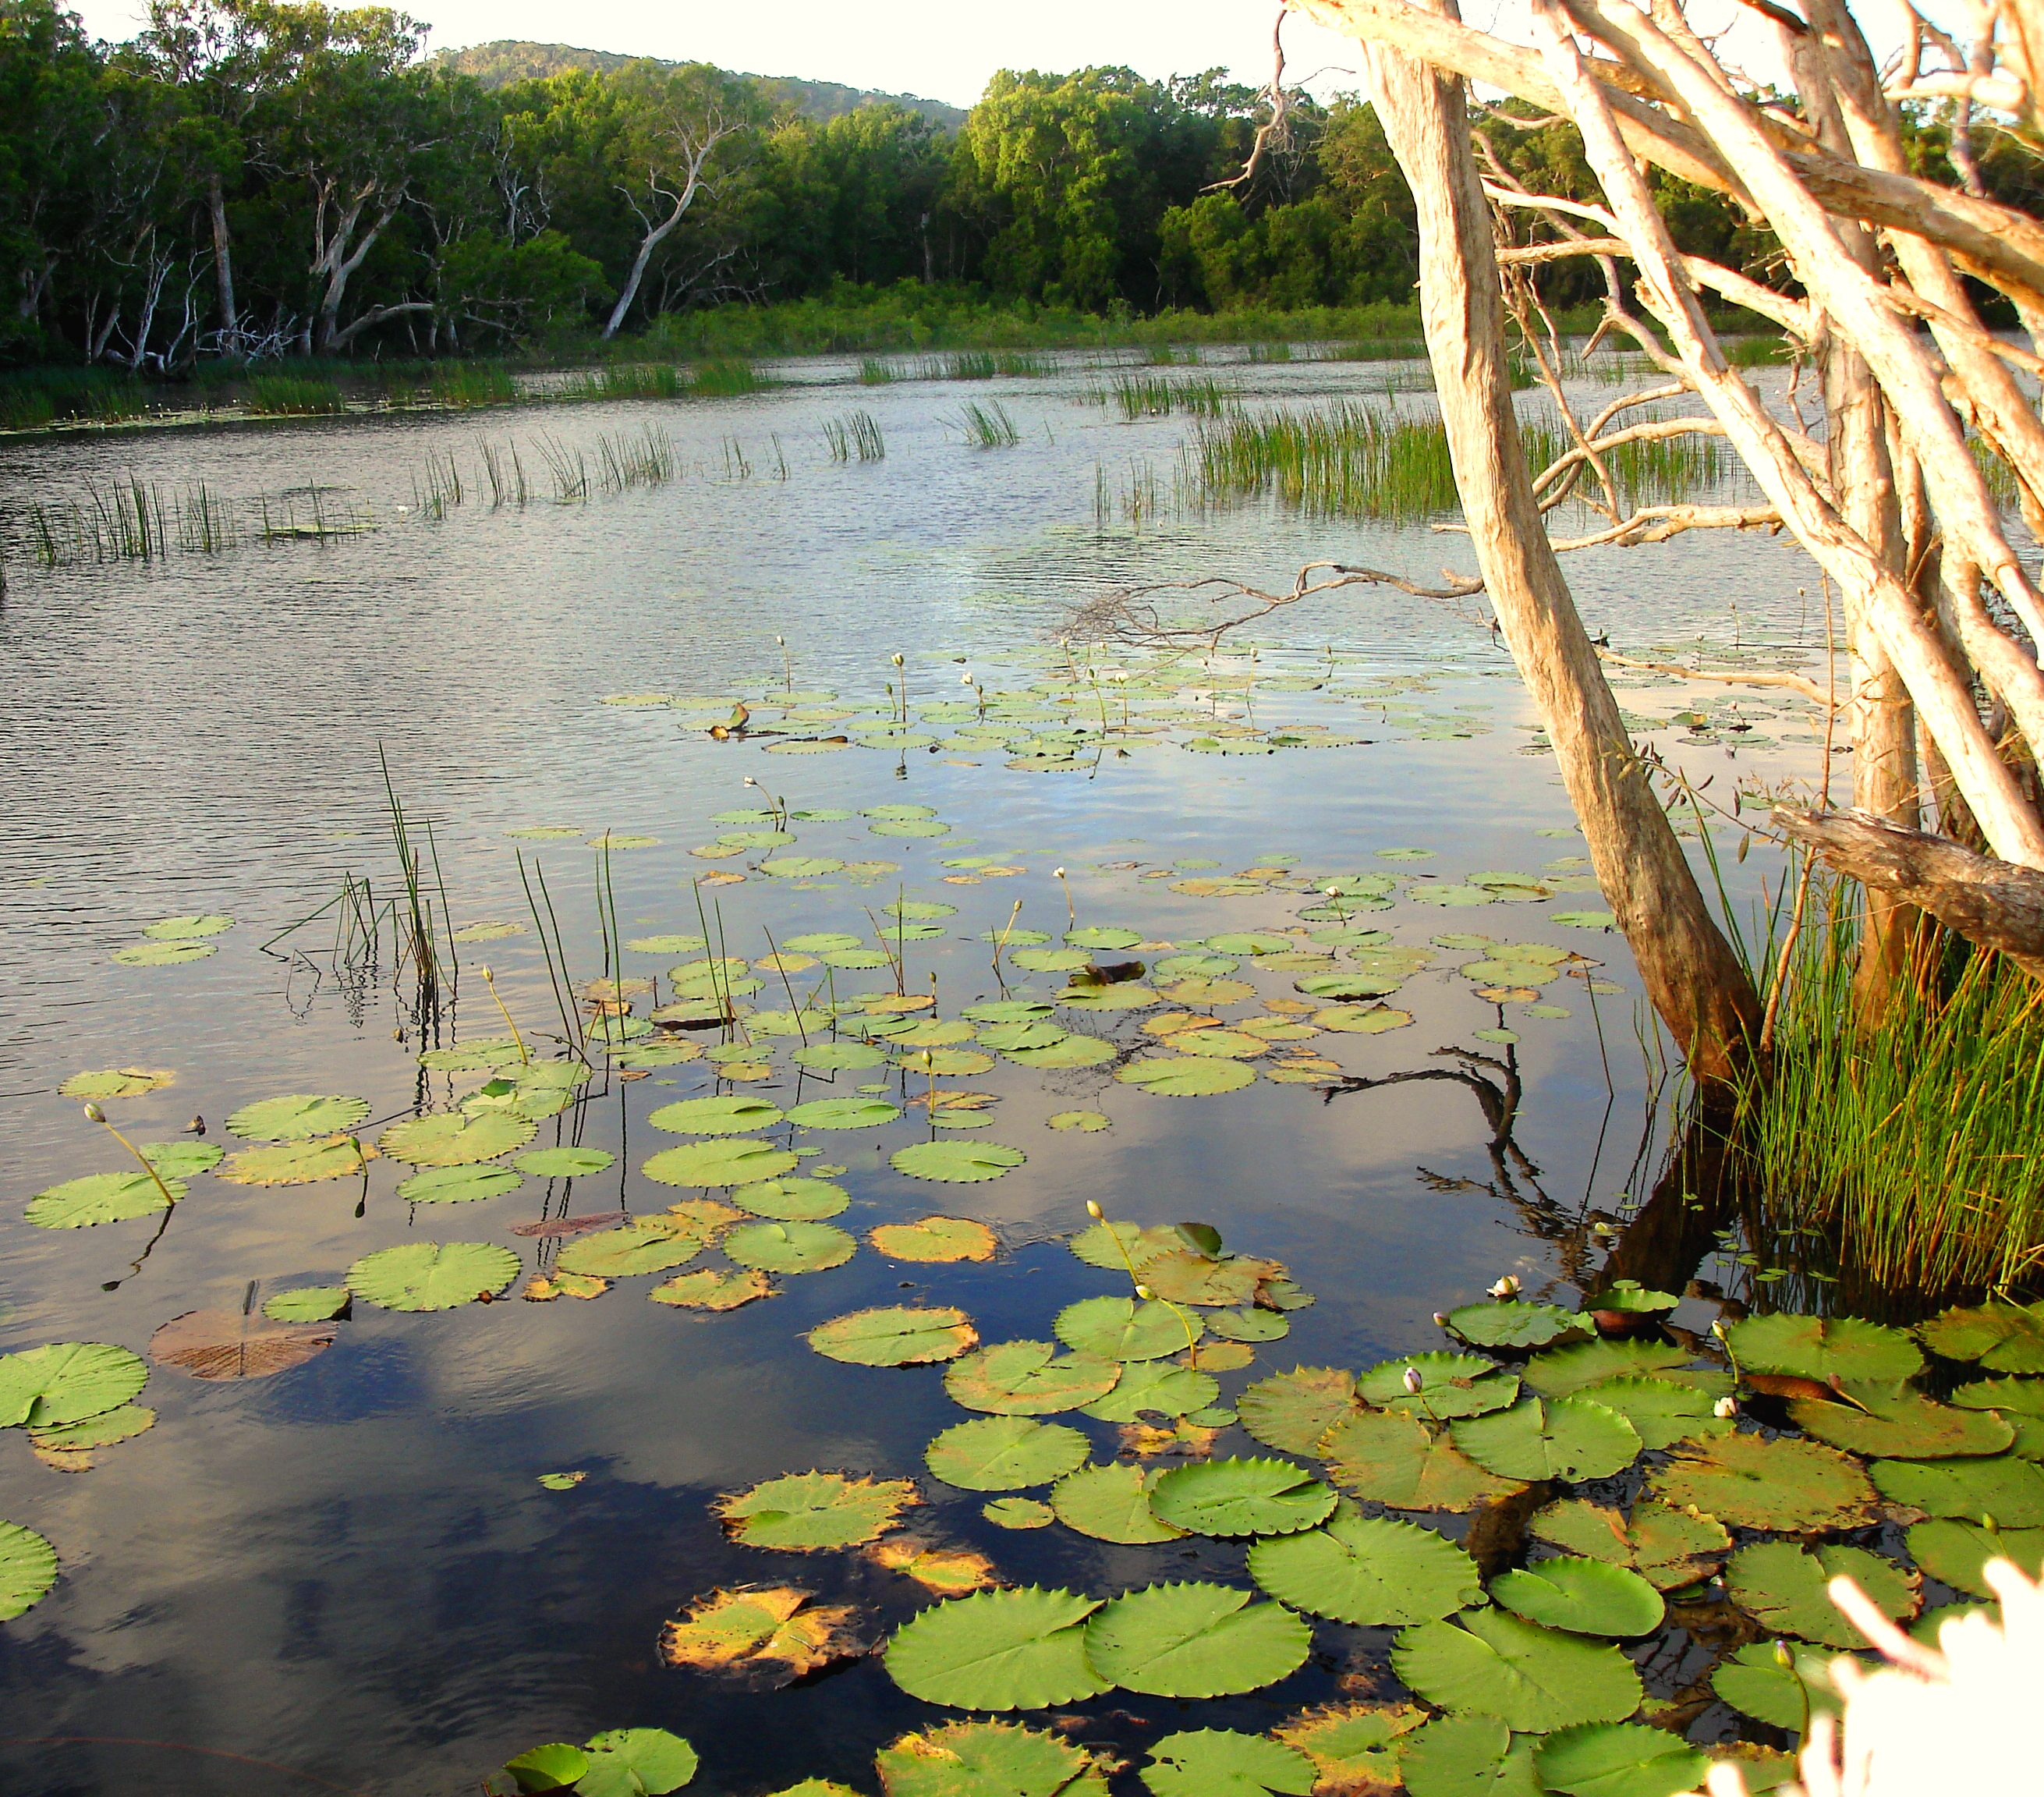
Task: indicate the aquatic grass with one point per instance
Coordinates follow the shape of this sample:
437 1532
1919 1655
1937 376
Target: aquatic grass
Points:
131 520
567 468
1149 396
506 472
626 380
1915 1142
1381 349
873 371
293 395
856 433
643 458
988 426
1270 352
1346 459
464 385
724 377
442 489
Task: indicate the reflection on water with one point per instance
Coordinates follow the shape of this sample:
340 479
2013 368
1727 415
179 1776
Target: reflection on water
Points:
350 1569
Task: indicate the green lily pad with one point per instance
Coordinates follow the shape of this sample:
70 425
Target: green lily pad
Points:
1186 1076
998 1650
1781 1587
1451 1385
102 1197
1074 1051
649 1246
803 1512
1004 1453
1754 1683
432 1276
1090 1122
1246 1325
1220 1763
836 1056
1533 1679
1471 1756
1561 1372
1586 1597
102 1431
1512 1324
1194 1639
1111 1503
451 1138
955 1163
1126 1329
1955 1551
115 1083
1618 1760
982 1759
790 1247
307 1304
1103 936
1393 1459
1662 1411
1128 996
1037 1033
187 928
1247 942
1019 1512
1668 1547
28 1569
497 1050
1118 1246
732 1161
1241 1497
1026 1379
736 1114
1163 1385
1369 1571
459 1185
67 1382
1291 1411
182 1160
294 1164
792 1200
893 1335
843 1113
1821 1347
1900 1424
1539 1438
2010 1491
564 1163
2002 1337
1751 1483
636 1762
164 954
2021 1403
296 1117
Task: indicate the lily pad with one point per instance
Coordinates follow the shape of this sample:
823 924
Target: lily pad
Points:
1451 1385
1955 1552
1540 1438
1103 936
2002 1337
736 1114
1074 1051
789 1248
1026 1379
296 1164
100 1198
714 1288
1291 1411
956 1162
164 954
759 1638
1186 1076
649 1246
307 1304
1782 1587
1220 1763
982 1759
1353 1746
1586 1597
1560 1371
1090 1122
1470 1755
626 1762
1822 1348
1668 1547
1246 1325
733 1161
67 1382
1751 1483
998 1650
432 1276
297 1118
235 1345
1618 1760
895 1336
1004 1453
459 1185
564 1163
1662 1411
1534 1680
936 1240
1511 1323
2009 1490
792 1200
1194 1641
803 1512
1125 1329
1163 1385
1393 1459
182 1160
1241 1497
187 928
1111 1503
115 1083
451 1138
1369 1571
28 1569
1899 1423
1754 1683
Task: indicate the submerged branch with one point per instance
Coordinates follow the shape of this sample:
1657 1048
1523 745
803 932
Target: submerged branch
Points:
1129 615
1795 683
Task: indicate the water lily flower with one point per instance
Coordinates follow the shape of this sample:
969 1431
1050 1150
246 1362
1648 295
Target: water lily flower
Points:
1094 1211
1143 1292
1413 1382
1057 873
1440 1319
1506 1288
94 1114
1725 1407
895 660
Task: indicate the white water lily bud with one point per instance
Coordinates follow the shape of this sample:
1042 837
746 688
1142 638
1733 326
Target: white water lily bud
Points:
780 642
489 978
1506 1288
1094 1211
1726 1408
1413 1382
1143 1292
94 1114
1440 1319
749 781
895 660
1718 1329
1057 873
1602 1230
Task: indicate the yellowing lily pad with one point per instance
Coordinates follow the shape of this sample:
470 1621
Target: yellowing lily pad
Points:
935 1239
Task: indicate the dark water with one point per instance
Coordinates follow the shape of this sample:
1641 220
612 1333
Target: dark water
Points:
349 1571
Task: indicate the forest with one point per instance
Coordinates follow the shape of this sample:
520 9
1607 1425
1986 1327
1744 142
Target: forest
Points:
257 178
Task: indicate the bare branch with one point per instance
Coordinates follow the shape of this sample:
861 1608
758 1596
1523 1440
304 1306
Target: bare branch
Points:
1795 683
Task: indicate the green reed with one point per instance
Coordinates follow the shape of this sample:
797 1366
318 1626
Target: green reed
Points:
464 385
505 474
722 378
1152 396
443 489
1914 1140
292 395
1346 459
857 433
988 426
641 458
568 469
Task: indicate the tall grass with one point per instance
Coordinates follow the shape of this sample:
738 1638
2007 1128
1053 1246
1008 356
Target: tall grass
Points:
505 473
1342 460
1914 1142
641 458
293 395
724 377
135 520
857 433
464 385
988 426
875 370
1152 396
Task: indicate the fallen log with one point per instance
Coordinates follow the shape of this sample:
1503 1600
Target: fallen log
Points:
1993 904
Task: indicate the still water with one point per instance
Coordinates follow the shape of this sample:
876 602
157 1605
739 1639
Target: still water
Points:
346 1575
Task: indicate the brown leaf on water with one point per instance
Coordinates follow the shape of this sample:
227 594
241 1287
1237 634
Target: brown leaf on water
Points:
1795 1385
951 1571
65 1460
553 1228
234 1345
1146 1442
760 1637
899 1003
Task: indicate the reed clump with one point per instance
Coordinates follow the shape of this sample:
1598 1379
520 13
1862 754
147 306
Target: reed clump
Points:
293 395
1342 460
857 433
466 386
1156 396
724 377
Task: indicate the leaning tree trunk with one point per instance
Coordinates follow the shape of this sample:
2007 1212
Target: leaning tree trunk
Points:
223 266
1694 980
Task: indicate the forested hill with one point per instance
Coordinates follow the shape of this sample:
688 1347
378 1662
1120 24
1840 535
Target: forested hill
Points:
507 60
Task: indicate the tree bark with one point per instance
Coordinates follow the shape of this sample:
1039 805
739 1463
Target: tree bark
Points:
1695 981
223 266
